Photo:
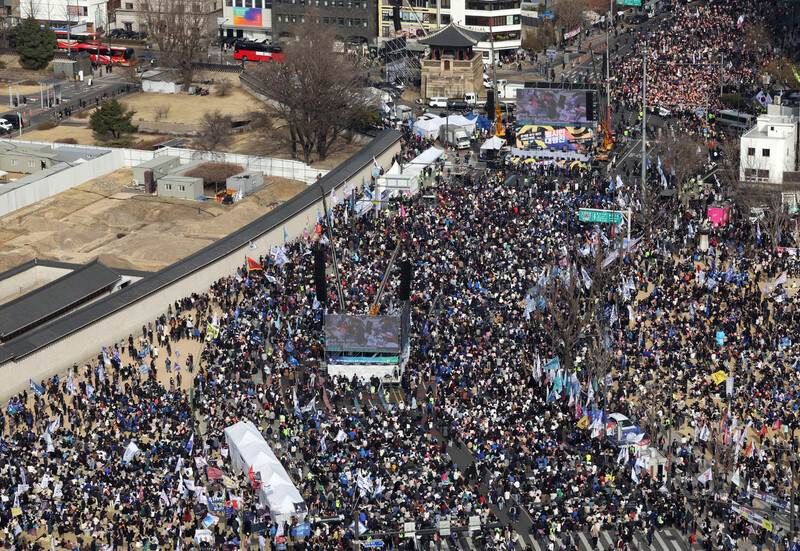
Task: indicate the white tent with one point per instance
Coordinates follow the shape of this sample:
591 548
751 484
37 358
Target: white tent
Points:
428 128
249 449
495 143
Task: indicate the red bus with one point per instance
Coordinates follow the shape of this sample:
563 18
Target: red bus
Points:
103 55
91 43
256 51
64 39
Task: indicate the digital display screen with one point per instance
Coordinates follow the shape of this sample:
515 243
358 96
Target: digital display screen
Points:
362 333
546 106
247 16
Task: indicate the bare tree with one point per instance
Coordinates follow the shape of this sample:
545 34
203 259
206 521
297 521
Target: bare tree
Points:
181 29
216 130
681 162
569 13
315 91
776 217
572 301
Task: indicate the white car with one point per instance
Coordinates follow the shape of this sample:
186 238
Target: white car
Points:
5 126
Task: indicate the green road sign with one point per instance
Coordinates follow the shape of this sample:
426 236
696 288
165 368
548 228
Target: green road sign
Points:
629 3
600 216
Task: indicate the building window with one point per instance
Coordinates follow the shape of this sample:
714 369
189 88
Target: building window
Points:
385 31
341 21
756 174
302 19
363 5
349 4
168 186
31 164
13 162
765 152
445 19
128 5
325 20
445 5
279 18
364 23
751 151
349 22
238 3
258 4
248 3
181 188
294 19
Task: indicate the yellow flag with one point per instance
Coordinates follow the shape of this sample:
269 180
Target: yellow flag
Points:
16 511
584 422
212 331
719 377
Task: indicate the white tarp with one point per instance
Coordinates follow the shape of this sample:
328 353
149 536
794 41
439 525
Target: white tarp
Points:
249 449
406 179
430 128
495 143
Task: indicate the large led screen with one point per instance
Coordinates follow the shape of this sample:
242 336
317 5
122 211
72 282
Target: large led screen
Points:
545 106
345 333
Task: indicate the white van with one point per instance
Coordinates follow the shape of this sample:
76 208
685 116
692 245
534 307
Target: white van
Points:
438 102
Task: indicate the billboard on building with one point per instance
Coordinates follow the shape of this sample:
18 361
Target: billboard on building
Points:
247 16
545 106
560 138
361 333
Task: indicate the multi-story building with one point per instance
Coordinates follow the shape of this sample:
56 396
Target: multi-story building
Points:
130 14
250 19
498 18
92 13
354 20
418 21
769 149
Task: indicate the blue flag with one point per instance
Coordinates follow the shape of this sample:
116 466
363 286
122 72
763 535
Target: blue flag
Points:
36 388
190 444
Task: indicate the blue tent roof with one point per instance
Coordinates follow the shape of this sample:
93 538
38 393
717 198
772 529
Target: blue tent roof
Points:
482 123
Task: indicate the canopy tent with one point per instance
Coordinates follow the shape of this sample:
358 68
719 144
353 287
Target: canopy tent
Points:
405 179
495 143
248 449
481 122
430 128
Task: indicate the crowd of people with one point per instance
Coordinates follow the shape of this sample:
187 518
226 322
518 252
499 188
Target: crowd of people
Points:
497 265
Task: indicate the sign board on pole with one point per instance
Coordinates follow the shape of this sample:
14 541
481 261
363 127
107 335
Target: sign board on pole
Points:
729 386
374 543
409 529
600 216
629 3
551 54
444 527
474 522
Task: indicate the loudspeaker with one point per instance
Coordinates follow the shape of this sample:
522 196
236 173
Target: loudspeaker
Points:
404 293
320 281
396 17
589 106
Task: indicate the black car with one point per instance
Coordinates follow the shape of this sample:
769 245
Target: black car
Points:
457 105
14 119
639 18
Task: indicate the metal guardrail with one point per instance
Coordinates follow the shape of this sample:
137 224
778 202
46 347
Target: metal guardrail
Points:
219 67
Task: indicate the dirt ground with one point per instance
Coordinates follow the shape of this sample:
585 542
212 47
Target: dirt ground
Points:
187 109
126 229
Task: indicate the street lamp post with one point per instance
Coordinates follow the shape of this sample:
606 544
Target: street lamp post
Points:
220 39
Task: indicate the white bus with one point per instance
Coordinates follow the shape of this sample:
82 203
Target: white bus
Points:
729 117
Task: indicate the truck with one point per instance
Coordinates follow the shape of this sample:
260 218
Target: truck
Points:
509 91
454 136
473 100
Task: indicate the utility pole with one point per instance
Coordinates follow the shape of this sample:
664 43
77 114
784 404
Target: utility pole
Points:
333 248
792 465
608 72
669 433
644 124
